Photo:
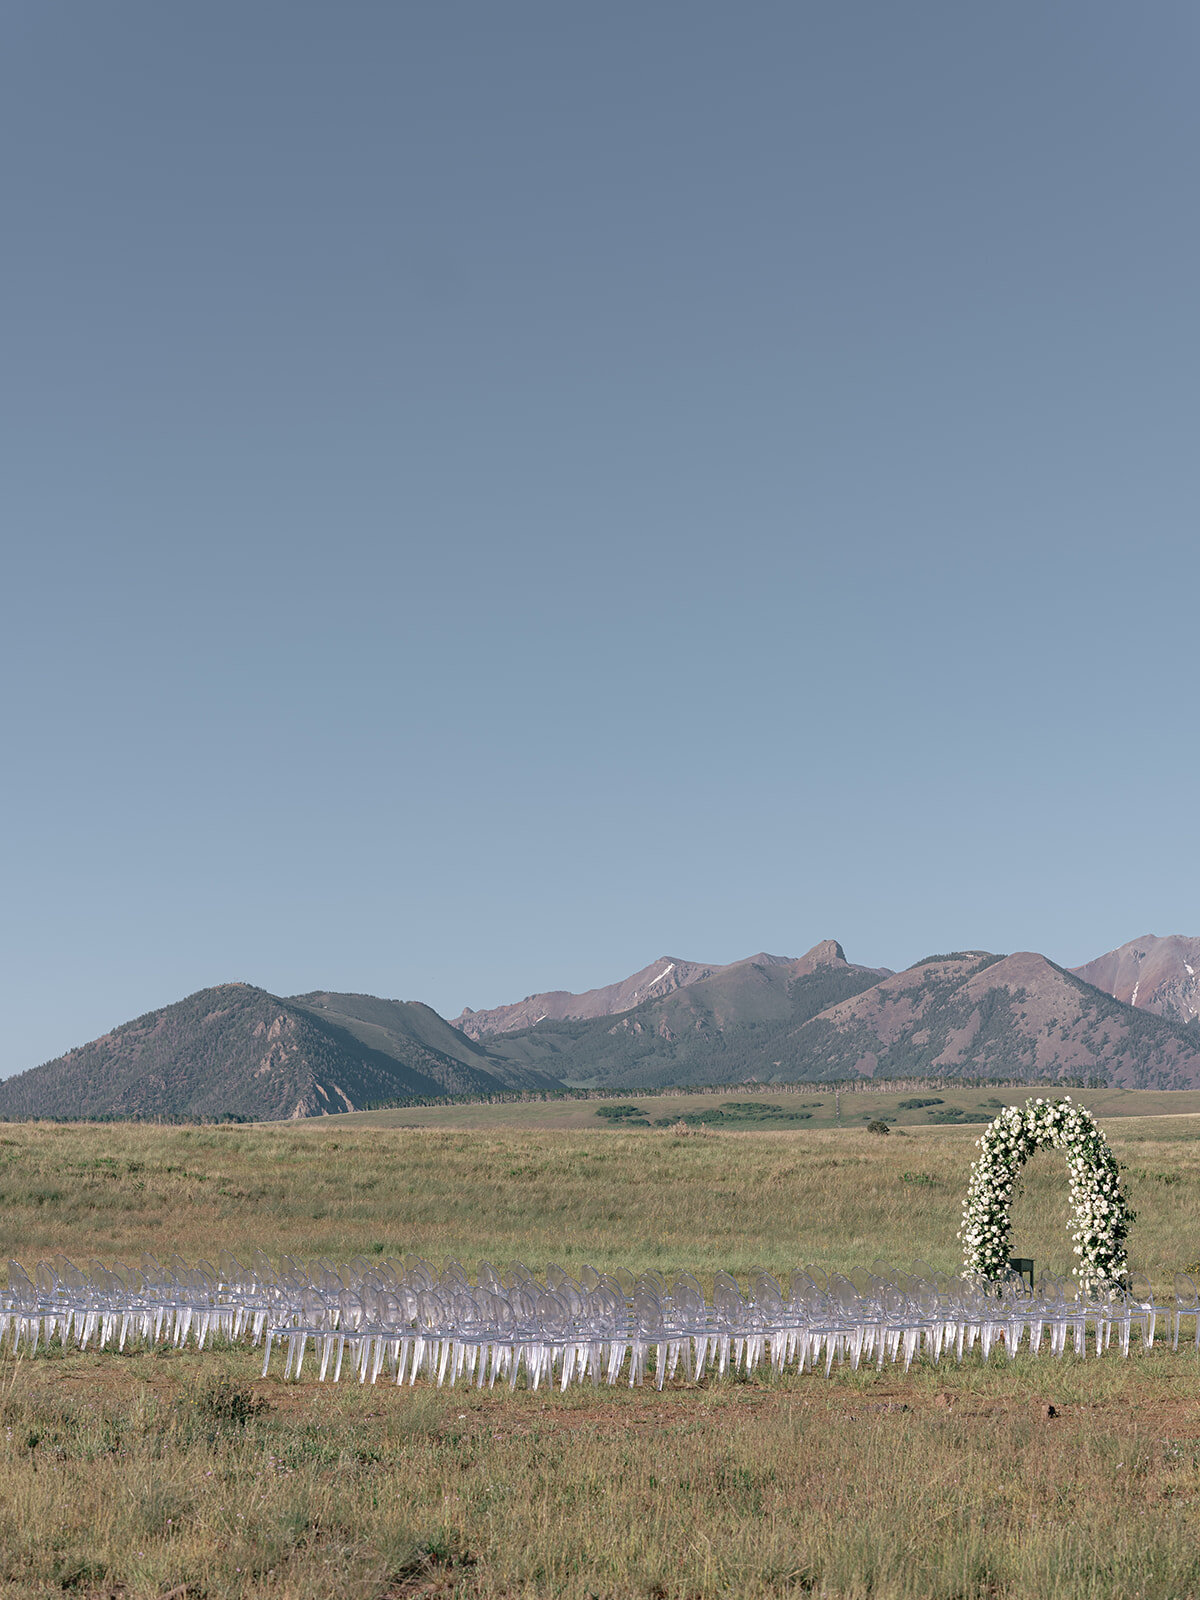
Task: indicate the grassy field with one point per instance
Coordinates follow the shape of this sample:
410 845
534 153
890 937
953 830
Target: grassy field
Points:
814 1109
134 1476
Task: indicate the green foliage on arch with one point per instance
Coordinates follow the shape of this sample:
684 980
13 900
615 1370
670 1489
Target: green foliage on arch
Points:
1102 1214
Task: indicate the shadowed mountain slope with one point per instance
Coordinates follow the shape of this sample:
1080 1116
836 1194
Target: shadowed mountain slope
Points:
404 1028
236 1049
1161 975
970 1014
719 1029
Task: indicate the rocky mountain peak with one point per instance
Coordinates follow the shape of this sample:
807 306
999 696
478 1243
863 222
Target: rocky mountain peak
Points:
825 953
1161 975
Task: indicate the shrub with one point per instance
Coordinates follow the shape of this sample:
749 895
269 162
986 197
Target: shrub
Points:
223 1400
624 1113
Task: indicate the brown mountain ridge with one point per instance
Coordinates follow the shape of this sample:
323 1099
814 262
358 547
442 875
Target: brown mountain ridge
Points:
660 978
1161 975
239 1050
236 1050
979 1015
970 1014
655 982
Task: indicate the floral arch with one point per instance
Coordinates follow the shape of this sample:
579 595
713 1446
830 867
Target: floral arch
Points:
1102 1214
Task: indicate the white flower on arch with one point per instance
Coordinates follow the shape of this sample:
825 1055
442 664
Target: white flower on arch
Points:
1102 1214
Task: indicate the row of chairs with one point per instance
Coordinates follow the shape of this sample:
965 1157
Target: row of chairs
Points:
410 1319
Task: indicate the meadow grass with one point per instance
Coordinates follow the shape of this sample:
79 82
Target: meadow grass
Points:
855 1106
170 1472
639 1197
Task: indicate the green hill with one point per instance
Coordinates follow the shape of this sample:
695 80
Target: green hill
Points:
237 1050
403 1029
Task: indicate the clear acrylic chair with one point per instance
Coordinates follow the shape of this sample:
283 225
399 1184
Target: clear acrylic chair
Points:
1187 1304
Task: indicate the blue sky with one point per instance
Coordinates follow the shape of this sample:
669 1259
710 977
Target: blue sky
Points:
497 493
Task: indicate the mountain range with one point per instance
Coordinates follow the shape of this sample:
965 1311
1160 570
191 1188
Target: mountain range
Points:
1127 1018
970 1014
655 982
236 1050
1158 975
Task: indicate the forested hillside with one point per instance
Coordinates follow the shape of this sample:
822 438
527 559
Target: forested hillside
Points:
237 1050
734 1026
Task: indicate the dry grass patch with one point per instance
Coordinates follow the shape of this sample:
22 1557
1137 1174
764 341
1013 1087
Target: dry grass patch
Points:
119 1476
642 1198
169 1472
